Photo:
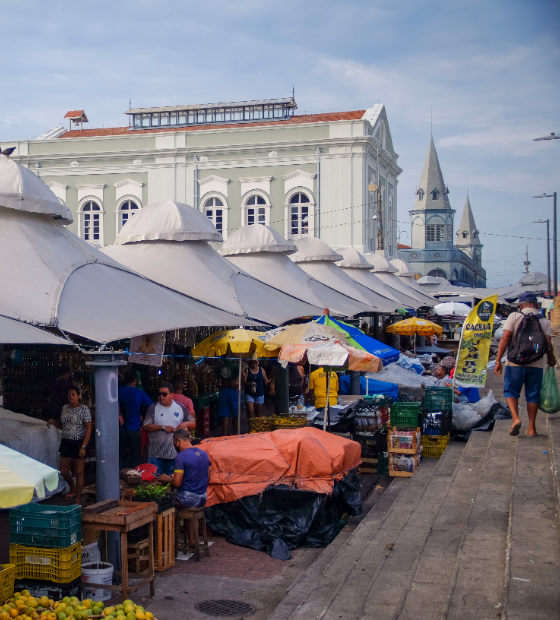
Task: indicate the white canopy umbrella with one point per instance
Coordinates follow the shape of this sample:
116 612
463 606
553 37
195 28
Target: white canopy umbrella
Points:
168 243
22 478
452 308
358 268
264 253
387 273
16 332
316 258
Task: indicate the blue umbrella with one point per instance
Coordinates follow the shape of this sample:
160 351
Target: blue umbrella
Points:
386 353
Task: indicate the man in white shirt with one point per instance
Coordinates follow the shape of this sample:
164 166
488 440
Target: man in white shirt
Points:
161 420
528 375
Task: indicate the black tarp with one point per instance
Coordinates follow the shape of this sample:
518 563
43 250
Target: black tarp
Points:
283 518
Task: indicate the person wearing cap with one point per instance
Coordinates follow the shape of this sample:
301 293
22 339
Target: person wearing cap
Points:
530 375
190 477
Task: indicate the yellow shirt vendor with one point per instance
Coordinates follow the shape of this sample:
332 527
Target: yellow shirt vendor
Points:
318 383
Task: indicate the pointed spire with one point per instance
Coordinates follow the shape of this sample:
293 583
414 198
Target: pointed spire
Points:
467 233
432 191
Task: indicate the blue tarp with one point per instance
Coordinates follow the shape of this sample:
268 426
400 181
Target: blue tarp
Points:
375 387
383 351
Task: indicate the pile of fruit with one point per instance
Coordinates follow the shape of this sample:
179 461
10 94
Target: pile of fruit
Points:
288 421
262 424
23 606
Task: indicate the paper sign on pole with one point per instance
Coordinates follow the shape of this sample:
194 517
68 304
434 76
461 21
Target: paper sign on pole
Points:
474 348
148 349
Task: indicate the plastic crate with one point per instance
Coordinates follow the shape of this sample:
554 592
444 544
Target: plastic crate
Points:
56 591
383 463
372 444
379 401
436 422
46 526
57 565
7 576
434 445
405 415
438 398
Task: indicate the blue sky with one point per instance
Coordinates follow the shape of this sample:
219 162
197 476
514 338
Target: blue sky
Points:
489 71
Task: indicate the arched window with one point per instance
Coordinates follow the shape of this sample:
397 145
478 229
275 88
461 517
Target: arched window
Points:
299 214
214 211
92 222
420 193
127 210
455 275
437 273
257 210
434 194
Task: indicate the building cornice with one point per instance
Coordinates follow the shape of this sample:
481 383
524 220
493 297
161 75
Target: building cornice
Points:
128 182
213 178
298 173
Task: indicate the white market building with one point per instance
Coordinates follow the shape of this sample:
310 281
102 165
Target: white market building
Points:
240 163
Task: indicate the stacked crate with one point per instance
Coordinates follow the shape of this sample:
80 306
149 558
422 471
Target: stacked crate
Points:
404 439
370 431
45 547
436 420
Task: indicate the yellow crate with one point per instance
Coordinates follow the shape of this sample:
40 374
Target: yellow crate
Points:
57 565
434 445
7 576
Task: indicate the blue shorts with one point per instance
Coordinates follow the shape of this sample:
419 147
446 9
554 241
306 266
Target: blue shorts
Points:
187 499
259 400
515 377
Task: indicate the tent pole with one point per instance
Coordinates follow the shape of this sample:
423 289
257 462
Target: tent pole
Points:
326 412
239 400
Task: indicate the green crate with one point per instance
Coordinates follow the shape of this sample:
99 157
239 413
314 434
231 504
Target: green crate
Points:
35 525
438 399
383 463
405 415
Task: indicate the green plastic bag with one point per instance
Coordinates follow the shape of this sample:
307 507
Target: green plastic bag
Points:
550 396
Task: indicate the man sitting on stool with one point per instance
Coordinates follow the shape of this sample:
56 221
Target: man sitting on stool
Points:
190 477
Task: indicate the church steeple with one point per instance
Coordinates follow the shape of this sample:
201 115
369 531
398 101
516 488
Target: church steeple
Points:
467 233
432 192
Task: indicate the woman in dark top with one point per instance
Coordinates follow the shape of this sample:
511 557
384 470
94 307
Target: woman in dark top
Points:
75 424
255 382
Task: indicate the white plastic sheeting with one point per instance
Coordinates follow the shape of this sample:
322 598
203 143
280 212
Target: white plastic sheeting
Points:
394 373
51 277
30 436
16 332
273 266
316 258
358 268
22 190
196 269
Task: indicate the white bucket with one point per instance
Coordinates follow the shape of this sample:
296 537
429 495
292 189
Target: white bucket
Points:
97 573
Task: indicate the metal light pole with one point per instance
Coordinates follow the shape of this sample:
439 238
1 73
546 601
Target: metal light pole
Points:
105 364
554 245
547 222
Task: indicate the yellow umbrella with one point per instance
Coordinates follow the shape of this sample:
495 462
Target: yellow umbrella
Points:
21 477
415 327
238 341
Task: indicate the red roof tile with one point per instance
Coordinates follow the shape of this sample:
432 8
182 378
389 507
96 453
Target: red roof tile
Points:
401 246
294 120
74 114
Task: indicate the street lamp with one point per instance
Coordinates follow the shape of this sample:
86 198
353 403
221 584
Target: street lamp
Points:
547 222
551 137
554 246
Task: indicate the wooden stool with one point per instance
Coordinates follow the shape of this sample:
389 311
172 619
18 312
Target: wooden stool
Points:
194 521
139 557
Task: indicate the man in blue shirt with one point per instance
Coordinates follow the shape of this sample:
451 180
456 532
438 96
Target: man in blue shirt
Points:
190 477
133 403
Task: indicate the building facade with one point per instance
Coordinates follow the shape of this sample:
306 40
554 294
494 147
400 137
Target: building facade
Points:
240 163
434 251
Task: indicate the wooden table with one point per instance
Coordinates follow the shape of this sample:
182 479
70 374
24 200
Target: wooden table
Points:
122 516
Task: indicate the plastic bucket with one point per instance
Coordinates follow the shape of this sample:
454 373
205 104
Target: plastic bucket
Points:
97 573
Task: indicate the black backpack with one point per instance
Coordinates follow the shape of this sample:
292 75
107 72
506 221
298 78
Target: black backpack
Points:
528 342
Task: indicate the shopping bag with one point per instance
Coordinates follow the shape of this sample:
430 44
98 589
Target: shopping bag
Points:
550 396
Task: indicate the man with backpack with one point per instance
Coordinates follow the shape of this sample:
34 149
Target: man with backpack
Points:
527 337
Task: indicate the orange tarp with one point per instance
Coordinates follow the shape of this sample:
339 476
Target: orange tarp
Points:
305 458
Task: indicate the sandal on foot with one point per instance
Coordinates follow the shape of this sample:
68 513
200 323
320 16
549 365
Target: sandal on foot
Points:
70 495
514 430
531 434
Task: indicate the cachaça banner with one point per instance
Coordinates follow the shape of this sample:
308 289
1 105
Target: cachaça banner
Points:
474 348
